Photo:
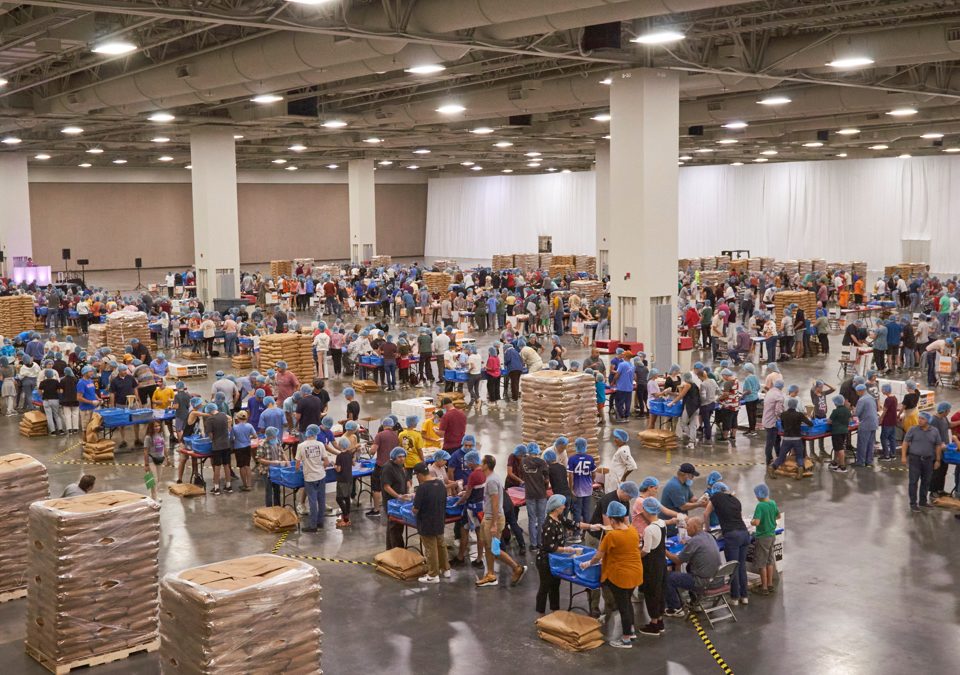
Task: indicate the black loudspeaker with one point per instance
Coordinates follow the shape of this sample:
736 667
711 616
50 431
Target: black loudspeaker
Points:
603 36
138 263
2 256
307 107
823 135
520 120
695 131
83 261
66 254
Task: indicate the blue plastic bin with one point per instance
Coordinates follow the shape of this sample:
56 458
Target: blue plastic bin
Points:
667 410
455 375
199 444
562 563
141 415
453 508
375 360
591 575
287 476
393 507
951 455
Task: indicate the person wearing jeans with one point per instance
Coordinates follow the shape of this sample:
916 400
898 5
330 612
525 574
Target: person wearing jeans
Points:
582 467
702 556
921 452
535 488
312 459
792 420
866 413
772 409
50 394
270 453
736 538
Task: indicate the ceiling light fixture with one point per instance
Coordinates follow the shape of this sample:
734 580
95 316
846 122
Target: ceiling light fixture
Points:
660 37
849 132
680 163
769 153
85 165
813 144
333 166
421 151
450 109
426 69
3 82
503 144
476 168
951 149
703 151
290 168
607 137
727 141
481 131
735 125
160 139
736 164
761 160
902 112
384 162
11 140
566 171
71 131
905 156
119 161
189 167
842 154
685 158
309 2
551 169
932 135
297 147
267 98
532 153
165 158
279 161
373 140
333 124
467 163
607 81
412 166
851 62
507 171
880 146
161 117
42 155
237 137
114 48
95 151
601 117
533 165
775 100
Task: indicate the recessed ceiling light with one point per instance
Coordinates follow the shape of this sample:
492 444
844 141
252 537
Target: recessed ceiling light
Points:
685 158
42 155
373 140
842 154
161 117
565 171
851 131
85 165
851 62
11 140
761 160
503 144
421 151
951 149
412 166
736 164
932 135
533 165
532 153
95 151
727 141
607 80
880 146
333 166
189 167
114 47
426 69
905 156
735 125
481 131
467 163
450 109
3 82
703 150
334 124
601 117
267 98
769 153
775 100
551 169
813 144
290 168
279 161
71 131
507 171
297 147
384 162
119 161
237 137
902 112
607 137
476 168
680 163
160 139
659 37
165 158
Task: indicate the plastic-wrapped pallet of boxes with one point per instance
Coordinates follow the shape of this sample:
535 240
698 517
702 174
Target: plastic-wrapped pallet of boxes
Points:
16 314
806 300
819 265
528 262
280 268
804 266
684 264
590 289
754 264
123 326
381 261
859 268
259 614
708 263
294 348
556 403
93 582
586 263
23 480
437 282
502 262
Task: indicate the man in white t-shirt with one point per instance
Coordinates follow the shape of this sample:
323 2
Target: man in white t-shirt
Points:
313 461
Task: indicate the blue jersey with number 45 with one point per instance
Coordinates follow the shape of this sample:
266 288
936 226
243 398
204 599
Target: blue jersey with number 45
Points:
582 467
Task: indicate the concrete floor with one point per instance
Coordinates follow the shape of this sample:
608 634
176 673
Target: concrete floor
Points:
868 586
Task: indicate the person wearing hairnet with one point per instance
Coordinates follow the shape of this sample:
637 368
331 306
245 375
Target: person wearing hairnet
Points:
941 422
621 462
270 453
552 541
792 420
412 443
217 426
653 556
765 517
535 490
689 395
839 431
866 414
736 539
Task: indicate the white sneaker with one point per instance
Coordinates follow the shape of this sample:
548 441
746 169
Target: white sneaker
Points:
744 601
446 574
734 602
427 579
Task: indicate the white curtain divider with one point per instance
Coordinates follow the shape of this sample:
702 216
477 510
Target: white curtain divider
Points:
478 217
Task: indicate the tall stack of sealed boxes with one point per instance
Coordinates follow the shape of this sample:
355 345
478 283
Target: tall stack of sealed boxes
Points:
92 592
259 614
23 480
556 403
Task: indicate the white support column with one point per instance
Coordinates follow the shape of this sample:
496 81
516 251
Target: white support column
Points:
363 210
216 233
15 237
644 129
603 207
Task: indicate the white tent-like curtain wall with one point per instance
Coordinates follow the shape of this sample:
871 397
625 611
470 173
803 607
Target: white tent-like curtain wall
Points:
838 209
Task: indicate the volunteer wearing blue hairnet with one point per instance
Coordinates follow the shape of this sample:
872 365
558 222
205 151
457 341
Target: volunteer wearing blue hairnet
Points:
736 539
889 410
941 422
582 466
621 462
792 420
922 453
412 443
866 414
765 517
653 543
552 541
270 453
217 426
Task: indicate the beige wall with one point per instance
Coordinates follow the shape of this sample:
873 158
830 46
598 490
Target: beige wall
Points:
113 223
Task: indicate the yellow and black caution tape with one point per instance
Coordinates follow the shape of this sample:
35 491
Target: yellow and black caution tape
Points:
334 560
705 639
66 450
283 538
92 463
731 464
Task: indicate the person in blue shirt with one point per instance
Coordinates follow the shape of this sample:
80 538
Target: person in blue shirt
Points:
581 467
272 416
894 332
866 414
677 493
243 434
87 395
600 385
751 397
326 437
623 386
513 367
255 406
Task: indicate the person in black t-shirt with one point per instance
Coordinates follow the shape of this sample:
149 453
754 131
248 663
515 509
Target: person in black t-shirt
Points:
736 538
309 409
344 468
50 395
430 508
353 406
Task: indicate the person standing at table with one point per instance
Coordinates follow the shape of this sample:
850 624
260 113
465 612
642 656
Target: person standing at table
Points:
552 541
243 435
492 525
453 425
941 422
736 539
344 467
581 467
430 509
621 462
311 458
270 453
866 413
383 443
921 452
818 396
535 485
394 484
653 553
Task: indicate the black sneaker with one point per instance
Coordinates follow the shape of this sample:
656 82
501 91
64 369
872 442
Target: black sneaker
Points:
373 513
477 563
651 630
215 491
228 489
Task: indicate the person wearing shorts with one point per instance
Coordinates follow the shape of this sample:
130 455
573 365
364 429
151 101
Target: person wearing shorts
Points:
243 435
217 426
765 518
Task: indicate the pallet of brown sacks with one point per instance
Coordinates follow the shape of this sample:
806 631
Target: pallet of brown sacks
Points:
241 362
570 631
455 397
365 386
658 439
437 282
401 563
16 314
789 468
275 519
99 451
256 614
33 423
556 403
23 480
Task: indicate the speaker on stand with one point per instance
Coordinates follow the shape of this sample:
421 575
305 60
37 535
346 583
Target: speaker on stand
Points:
83 262
66 263
138 263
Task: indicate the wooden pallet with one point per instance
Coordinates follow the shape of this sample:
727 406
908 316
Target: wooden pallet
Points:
15 594
98 660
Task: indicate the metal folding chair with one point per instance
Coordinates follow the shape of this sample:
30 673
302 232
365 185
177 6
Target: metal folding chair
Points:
713 599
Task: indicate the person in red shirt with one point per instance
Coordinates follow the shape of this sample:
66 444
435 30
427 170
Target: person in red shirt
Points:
286 382
453 425
888 424
472 499
692 320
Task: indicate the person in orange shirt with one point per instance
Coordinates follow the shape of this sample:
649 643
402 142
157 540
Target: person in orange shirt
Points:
858 291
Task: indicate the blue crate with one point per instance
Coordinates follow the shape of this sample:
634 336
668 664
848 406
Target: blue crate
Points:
665 409
246 342
951 455
375 360
365 359
199 444
562 563
195 334
393 507
820 426
453 508
114 416
287 476
140 415
591 575
455 375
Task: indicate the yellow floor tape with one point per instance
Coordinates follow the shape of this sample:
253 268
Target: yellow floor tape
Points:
283 538
705 639
334 560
